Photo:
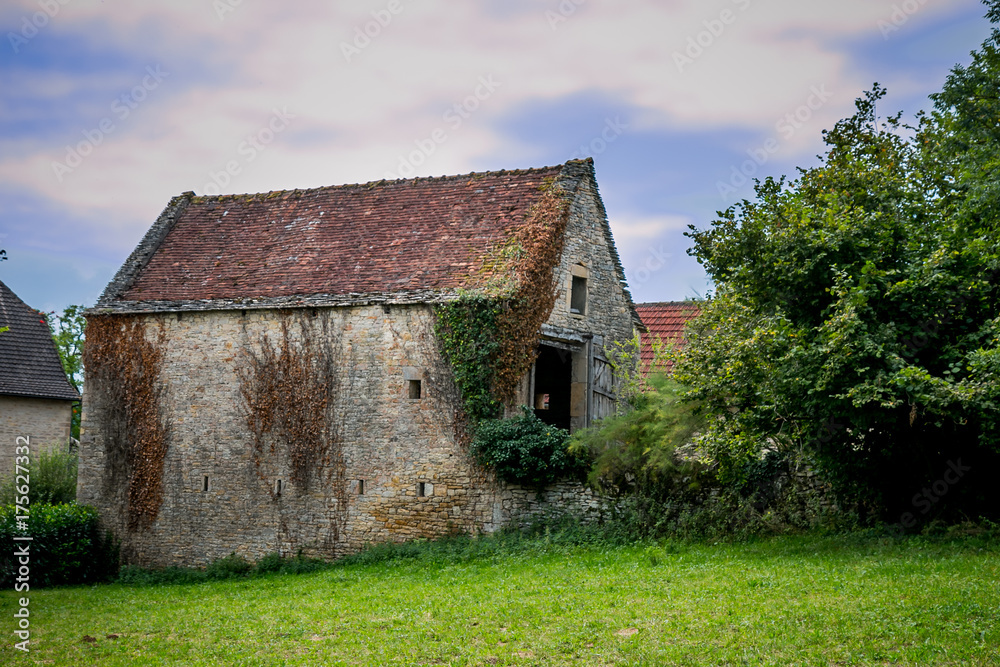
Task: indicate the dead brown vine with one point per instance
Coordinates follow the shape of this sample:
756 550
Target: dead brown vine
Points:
123 373
288 394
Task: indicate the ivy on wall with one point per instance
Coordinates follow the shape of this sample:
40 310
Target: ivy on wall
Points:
489 335
123 370
288 392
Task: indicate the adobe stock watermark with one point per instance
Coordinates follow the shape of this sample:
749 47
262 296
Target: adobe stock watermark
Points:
370 30
785 127
249 149
22 546
608 135
899 15
37 21
122 107
565 9
223 7
703 40
655 260
930 495
454 116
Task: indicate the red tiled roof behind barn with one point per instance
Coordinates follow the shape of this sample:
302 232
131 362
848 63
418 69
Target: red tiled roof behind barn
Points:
382 237
666 320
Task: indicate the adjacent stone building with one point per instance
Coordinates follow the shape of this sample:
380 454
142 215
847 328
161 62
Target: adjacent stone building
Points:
265 372
36 398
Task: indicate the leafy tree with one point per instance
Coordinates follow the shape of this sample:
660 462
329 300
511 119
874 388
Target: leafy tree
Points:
69 336
856 316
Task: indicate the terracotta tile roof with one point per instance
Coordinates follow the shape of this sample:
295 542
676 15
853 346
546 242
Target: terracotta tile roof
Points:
666 320
383 237
29 363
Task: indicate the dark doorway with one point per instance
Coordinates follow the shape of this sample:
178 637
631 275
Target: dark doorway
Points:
553 375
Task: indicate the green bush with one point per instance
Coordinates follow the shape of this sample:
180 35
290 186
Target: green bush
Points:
230 567
524 450
270 563
636 452
52 477
67 546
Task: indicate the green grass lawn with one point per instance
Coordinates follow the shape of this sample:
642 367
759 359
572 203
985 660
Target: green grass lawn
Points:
783 601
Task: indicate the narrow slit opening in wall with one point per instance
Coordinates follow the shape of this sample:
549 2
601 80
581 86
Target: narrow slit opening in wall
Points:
413 388
204 484
277 487
361 487
421 488
578 297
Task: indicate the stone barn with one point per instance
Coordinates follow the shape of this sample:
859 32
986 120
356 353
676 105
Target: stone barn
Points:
36 398
296 370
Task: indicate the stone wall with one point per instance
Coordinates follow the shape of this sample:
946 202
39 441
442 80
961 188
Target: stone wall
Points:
45 421
589 246
403 474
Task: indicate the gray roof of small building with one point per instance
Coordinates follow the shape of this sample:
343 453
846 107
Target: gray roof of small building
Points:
29 363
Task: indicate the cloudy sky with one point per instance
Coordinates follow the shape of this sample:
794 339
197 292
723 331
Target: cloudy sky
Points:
110 108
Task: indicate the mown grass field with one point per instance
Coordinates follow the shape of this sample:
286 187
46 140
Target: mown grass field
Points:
808 600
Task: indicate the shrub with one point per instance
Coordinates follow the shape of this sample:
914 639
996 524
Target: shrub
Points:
230 567
67 546
53 480
636 452
524 449
269 563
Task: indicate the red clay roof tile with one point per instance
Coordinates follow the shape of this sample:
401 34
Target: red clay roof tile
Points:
387 236
666 320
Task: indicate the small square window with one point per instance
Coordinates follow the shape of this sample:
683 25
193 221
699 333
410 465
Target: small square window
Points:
413 388
578 298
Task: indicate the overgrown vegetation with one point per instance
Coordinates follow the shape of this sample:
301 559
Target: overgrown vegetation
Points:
637 452
123 366
52 476
524 450
490 333
855 320
67 546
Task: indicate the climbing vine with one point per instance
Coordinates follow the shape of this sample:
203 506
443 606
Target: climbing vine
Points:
123 370
288 391
489 335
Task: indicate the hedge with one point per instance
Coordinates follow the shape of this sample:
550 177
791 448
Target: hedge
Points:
66 546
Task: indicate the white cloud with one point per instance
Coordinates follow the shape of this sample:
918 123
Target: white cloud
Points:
431 54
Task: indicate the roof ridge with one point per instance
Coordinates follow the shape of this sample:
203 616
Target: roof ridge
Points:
385 181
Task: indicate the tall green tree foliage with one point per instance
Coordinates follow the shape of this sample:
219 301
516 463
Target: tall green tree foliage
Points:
856 315
68 334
